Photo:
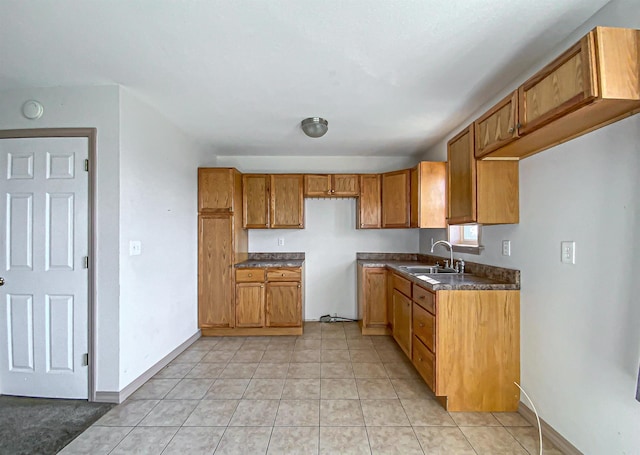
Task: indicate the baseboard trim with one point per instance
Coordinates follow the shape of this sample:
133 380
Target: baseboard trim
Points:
119 397
548 431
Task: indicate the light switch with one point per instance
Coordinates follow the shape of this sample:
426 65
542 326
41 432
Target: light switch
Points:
281 241
135 247
568 251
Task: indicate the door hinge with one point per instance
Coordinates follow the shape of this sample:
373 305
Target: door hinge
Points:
85 359
86 165
86 262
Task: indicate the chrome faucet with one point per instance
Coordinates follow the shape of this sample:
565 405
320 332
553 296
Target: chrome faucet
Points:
444 242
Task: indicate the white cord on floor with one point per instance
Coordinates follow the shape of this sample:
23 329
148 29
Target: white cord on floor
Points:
535 411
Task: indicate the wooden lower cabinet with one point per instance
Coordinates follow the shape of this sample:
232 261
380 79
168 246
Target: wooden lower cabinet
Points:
284 304
402 321
250 305
464 344
372 300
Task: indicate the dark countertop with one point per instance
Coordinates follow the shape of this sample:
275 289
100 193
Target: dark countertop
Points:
480 276
264 260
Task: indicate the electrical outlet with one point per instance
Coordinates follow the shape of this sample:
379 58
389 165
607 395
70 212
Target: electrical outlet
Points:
281 241
506 247
568 252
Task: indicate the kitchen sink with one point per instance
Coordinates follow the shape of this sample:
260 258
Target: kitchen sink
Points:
428 269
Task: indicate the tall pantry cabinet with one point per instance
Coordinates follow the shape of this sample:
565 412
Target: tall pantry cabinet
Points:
222 242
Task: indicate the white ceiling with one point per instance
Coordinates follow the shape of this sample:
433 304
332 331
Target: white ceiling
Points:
392 77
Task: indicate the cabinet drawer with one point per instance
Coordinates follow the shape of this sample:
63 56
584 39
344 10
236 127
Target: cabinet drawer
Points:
249 275
424 298
402 285
284 275
425 363
424 326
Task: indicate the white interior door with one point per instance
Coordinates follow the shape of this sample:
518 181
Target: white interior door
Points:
44 315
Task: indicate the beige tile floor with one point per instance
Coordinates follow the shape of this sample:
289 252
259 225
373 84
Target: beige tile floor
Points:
330 391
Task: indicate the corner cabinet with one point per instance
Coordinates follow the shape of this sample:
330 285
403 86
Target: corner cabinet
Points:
484 192
396 199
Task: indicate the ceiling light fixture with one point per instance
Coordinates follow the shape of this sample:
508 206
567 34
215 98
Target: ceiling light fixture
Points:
314 126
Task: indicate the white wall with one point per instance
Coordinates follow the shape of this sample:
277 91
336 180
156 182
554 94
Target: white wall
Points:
158 191
95 107
580 323
329 239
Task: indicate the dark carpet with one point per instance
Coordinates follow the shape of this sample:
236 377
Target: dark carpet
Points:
44 426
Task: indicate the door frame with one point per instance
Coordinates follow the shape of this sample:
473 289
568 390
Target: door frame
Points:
91 135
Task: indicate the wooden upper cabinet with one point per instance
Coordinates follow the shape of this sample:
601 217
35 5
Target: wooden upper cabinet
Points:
286 201
396 201
428 195
255 201
497 127
561 87
345 185
369 202
461 178
485 192
331 185
594 83
216 188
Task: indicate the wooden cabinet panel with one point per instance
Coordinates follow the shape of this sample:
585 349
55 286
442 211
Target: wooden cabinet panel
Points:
483 192
401 284
215 280
424 298
255 201
345 185
561 87
284 308
497 127
396 199
428 195
373 293
369 202
284 274
250 275
215 189
287 202
461 178
425 363
424 326
250 305
317 185
402 321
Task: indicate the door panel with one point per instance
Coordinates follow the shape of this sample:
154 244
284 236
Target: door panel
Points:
44 322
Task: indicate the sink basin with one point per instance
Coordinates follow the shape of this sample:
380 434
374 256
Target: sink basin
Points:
428 269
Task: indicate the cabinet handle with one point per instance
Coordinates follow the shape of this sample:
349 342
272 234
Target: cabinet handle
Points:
421 296
421 324
419 359
518 125
262 285
283 274
511 130
299 286
250 275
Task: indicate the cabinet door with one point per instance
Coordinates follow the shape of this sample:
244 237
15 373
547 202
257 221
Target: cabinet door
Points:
345 185
287 203
375 297
559 88
284 304
250 305
428 195
461 178
402 321
369 202
215 189
215 280
497 127
255 201
396 199
317 185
